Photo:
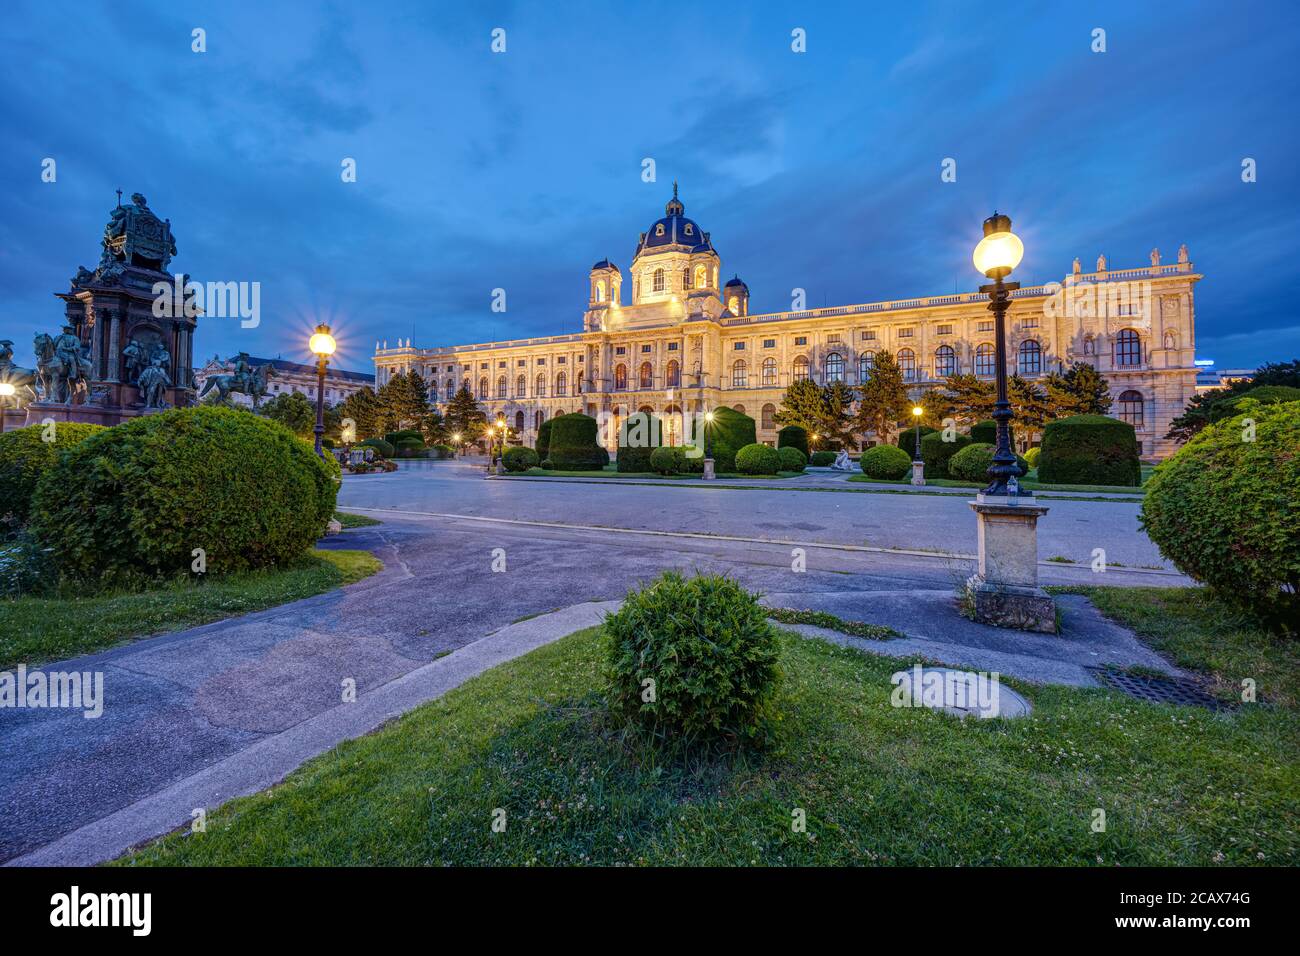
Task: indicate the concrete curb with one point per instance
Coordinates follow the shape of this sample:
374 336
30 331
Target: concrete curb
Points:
269 761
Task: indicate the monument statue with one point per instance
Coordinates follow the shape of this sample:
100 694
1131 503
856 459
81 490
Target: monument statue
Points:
1155 257
154 380
246 379
62 366
1182 253
22 379
1101 263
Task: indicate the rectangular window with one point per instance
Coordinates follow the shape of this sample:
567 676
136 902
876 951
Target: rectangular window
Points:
801 340
945 330
672 346
833 339
984 327
561 360
541 361
501 364
580 358
1029 323
769 343
645 348
620 350
905 333
868 335
521 363
738 346
483 365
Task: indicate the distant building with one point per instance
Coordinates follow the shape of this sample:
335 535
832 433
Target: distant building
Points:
290 377
1208 379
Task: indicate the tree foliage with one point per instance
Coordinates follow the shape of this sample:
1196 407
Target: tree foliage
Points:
293 410
882 398
1200 410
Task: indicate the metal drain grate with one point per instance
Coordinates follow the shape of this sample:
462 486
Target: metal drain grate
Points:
1158 690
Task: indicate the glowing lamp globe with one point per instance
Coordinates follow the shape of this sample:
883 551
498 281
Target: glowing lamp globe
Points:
918 411
1001 250
6 389
322 343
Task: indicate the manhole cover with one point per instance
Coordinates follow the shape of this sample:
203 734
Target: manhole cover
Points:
964 693
1157 690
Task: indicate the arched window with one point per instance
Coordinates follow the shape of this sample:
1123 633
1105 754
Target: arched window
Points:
945 361
733 305
739 374
658 285
769 371
519 421
674 374
600 291
741 409
646 376
866 361
1130 408
451 389
701 277
501 387
769 416
801 369
561 384
620 377
984 360
834 367
541 385
539 418
482 388
1128 348
673 425
1031 358
521 387
907 364
686 278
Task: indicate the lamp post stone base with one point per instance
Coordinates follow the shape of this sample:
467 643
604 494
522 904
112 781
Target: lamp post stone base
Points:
918 472
1004 591
708 470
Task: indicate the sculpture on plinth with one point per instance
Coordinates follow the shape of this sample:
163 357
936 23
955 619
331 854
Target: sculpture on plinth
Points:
246 380
62 366
22 379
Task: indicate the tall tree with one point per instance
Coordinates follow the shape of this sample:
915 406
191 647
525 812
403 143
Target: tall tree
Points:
404 399
883 398
293 410
366 412
465 416
1079 390
1197 414
822 410
837 414
801 405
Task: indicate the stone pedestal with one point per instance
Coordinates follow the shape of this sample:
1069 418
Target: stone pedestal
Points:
11 418
708 469
918 472
1004 591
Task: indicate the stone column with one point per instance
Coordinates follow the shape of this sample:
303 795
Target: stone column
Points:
1004 591
114 355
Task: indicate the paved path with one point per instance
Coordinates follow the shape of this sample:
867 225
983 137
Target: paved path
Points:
243 700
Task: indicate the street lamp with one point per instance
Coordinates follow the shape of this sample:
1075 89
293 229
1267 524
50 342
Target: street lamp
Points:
708 447
322 345
502 430
456 441
997 254
917 412
6 392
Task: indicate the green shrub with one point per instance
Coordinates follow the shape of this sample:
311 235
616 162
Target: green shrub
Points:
327 443
132 502
667 460
1265 394
406 434
887 462
638 437
692 466
519 458
972 463
1226 511
544 439
936 452
444 451
573 445
1089 450
410 447
793 436
757 459
710 651
985 432
731 431
907 440
1031 456
792 459
820 459
548 464
24 457
383 449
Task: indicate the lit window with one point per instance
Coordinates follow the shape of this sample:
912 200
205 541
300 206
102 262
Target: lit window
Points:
769 371
905 333
769 416
801 369
739 374
738 346
561 384
801 340
835 367
647 375
1130 408
984 360
986 326
1128 348
865 363
620 377
907 363
945 361
1031 358
658 280
501 387
674 374
769 343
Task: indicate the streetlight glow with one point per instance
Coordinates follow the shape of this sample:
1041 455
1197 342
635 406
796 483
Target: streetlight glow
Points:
1000 251
322 343
918 411
6 389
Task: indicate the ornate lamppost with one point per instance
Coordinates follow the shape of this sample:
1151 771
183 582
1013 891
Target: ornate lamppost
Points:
322 345
708 447
503 431
918 464
455 438
997 254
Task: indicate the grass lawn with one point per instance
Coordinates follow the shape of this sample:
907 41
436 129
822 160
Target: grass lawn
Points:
34 630
878 784
349 520
609 472
1028 484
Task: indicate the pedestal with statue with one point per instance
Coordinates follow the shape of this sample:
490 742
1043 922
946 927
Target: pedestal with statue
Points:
125 347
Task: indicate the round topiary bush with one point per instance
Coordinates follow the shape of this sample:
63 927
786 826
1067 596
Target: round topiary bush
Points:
709 651
444 451
936 452
972 463
1225 509
519 458
573 443
985 432
410 447
907 440
544 439
758 459
133 502
1031 456
886 462
548 464
383 449
638 437
792 459
405 434
692 465
1089 450
821 459
731 431
793 436
667 460
25 455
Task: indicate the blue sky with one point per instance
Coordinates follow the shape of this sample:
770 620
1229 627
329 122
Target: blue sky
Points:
478 170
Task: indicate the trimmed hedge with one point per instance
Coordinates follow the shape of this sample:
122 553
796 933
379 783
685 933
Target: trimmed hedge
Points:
985 432
519 458
692 466
907 439
1224 510
667 460
792 459
709 651
573 444
1031 456
444 451
544 439
1089 450
793 436
383 448
638 437
887 462
731 431
25 456
936 453
131 503
972 462
758 459
410 447
406 434
821 459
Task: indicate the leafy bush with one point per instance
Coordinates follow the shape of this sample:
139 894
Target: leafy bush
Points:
519 458
548 464
757 459
667 460
444 451
887 462
1089 450
133 502
1265 394
1226 511
820 459
792 459
692 466
731 431
24 457
410 447
406 434
1031 456
573 445
327 443
544 439
638 437
793 436
708 648
383 449
907 440
985 432
936 452
972 462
